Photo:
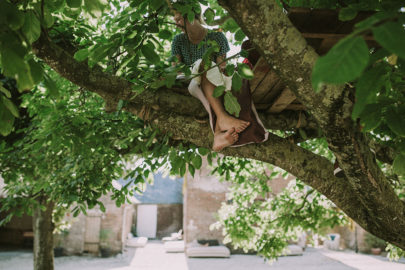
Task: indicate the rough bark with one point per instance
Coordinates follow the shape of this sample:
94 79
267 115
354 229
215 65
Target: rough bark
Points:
43 236
365 194
285 49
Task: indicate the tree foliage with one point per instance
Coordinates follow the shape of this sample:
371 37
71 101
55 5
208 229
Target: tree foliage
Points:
121 50
254 218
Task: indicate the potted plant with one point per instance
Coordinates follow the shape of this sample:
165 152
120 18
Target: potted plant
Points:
376 244
105 250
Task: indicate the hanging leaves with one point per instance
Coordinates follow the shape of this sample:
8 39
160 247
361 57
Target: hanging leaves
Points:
231 104
396 121
367 87
343 63
148 51
32 27
245 71
391 35
399 164
14 66
236 82
347 14
218 91
74 3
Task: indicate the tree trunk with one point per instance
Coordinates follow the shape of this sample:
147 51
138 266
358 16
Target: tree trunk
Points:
43 236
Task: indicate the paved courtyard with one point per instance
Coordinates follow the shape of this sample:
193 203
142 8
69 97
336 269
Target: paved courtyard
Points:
153 257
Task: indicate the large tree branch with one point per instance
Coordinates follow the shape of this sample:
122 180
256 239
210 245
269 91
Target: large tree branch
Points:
293 59
112 88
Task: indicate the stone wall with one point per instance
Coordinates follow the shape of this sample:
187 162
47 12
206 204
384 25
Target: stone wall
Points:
348 236
11 234
84 230
73 242
202 198
169 219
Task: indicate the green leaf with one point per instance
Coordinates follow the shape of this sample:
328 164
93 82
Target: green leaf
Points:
401 147
399 164
5 91
396 121
51 87
6 121
343 63
229 70
182 168
55 5
165 34
32 27
244 53
82 54
48 18
209 15
170 79
367 88
95 7
149 52
120 105
156 4
14 17
245 71
203 151
391 35
231 104
230 25
218 91
239 35
15 67
100 52
236 82
370 118
191 169
373 20
347 14
37 72
74 3
10 106
197 162
191 16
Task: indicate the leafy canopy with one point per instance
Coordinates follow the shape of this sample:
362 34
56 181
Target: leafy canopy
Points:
69 150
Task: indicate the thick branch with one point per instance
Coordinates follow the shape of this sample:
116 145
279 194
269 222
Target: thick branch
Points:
113 88
293 59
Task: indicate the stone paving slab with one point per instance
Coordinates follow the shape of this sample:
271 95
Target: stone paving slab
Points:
153 257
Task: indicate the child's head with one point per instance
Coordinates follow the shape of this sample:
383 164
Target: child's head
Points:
181 20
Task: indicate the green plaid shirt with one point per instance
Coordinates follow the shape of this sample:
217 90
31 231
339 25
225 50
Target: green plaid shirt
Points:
190 52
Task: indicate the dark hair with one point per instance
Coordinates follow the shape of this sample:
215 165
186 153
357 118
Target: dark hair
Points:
195 8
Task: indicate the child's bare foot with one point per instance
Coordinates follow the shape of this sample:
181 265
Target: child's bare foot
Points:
224 139
227 122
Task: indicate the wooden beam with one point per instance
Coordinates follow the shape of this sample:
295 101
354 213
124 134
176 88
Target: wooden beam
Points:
295 107
285 98
260 70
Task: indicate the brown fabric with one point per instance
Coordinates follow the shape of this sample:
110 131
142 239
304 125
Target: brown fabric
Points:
254 133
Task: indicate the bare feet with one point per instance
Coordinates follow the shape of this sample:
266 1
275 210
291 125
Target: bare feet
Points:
224 139
227 122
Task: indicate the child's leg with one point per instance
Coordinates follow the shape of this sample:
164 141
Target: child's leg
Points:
224 120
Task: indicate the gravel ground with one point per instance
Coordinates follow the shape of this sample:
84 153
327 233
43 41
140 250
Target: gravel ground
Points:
153 257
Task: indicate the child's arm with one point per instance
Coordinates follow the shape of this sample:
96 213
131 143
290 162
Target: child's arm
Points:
222 66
